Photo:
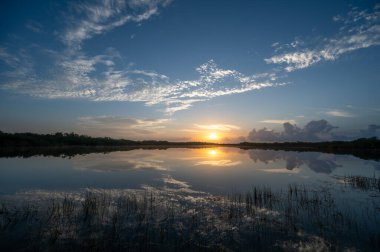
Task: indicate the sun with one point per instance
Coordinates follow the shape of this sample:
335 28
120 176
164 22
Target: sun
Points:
213 136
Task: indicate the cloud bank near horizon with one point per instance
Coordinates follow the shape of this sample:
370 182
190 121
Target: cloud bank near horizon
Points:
313 131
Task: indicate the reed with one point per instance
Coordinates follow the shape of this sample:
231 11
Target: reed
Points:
262 219
361 182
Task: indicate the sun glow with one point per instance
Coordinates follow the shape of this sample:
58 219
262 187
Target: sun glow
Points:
213 152
213 136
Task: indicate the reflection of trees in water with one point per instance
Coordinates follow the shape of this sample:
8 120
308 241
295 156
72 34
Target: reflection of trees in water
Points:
318 162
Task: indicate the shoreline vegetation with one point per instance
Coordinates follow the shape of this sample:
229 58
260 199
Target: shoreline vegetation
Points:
71 144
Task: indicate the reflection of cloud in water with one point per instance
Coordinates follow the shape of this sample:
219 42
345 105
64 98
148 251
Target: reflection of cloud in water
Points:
278 221
171 189
374 164
279 170
172 185
223 162
318 162
306 242
180 184
377 166
119 161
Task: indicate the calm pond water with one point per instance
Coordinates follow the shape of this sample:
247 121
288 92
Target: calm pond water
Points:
211 170
205 198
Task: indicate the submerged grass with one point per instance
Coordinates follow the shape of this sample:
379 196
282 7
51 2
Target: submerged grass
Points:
363 183
298 218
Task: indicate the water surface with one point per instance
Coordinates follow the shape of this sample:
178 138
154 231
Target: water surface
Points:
207 198
212 170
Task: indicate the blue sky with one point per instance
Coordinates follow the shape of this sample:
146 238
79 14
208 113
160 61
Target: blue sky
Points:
181 70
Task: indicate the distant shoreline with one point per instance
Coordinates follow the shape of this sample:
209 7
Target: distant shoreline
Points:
72 139
29 144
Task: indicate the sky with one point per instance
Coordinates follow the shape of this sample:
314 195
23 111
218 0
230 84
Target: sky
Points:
182 70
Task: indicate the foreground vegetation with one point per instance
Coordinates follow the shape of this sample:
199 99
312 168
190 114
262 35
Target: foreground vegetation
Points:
362 182
298 218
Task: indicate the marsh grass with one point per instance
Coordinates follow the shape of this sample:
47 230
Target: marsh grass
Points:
298 218
361 182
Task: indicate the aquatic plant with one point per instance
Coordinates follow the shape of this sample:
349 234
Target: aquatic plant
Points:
157 219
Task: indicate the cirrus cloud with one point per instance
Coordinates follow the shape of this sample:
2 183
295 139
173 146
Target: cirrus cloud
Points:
338 113
221 127
100 16
360 29
276 121
121 126
72 74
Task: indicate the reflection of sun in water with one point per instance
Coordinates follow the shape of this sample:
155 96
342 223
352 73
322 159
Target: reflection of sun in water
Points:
213 152
213 136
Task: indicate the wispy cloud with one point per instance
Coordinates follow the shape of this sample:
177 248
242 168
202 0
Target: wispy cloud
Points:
98 17
276 121
121 126
71 73
338 113
97 78
19 64
34 26
221 127
360 29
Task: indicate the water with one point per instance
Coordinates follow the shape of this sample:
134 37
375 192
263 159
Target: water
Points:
220 198
211 170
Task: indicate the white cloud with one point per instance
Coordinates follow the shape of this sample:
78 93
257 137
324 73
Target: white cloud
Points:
221 127
19 63
98 78
73 74
338 113
313 131
34 26
121 126
191 130
361 29
101 16
275 121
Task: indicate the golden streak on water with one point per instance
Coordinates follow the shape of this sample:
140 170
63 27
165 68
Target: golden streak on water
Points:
213 152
